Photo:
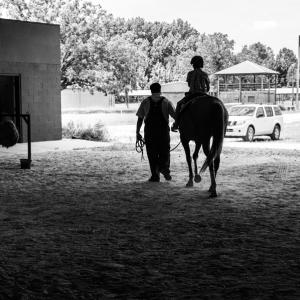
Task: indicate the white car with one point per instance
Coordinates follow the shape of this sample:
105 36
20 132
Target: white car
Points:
249 120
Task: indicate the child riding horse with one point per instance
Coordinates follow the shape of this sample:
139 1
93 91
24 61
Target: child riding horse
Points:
202 120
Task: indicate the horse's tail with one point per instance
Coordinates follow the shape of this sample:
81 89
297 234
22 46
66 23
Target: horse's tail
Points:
219 116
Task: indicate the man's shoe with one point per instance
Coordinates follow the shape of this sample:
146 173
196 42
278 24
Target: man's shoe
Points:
168 177
153 179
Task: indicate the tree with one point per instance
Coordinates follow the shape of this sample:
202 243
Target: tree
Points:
126 64
284 59
292 74
258 53
217 51
165 44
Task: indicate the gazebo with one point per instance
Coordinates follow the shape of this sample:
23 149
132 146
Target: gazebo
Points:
247 82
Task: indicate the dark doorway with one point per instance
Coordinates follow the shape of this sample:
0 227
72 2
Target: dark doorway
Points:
10 98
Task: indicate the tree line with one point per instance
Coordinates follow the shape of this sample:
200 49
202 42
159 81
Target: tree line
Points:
102 52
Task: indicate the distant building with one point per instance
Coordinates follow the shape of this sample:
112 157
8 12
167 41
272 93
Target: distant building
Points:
30 76
78 99
134 96
247 82
174 91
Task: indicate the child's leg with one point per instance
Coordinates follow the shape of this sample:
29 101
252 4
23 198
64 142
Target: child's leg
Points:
177 114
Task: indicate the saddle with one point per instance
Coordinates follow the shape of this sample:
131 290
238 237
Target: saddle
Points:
190 100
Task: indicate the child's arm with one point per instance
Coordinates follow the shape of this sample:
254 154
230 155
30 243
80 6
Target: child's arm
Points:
207 83
188 79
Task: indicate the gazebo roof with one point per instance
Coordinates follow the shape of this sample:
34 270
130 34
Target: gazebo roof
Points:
246 68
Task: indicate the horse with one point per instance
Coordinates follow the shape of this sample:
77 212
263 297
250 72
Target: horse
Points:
202 119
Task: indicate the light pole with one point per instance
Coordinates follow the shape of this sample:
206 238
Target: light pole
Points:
298 71
127 89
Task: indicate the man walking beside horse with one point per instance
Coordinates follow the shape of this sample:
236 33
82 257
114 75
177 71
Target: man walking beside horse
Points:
155 111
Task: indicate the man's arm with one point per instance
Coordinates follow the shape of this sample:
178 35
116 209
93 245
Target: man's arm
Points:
171 109
139 124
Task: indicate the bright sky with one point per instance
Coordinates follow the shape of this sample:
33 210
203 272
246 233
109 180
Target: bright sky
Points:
274 23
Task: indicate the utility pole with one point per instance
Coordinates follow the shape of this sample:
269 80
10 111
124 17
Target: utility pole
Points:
298 71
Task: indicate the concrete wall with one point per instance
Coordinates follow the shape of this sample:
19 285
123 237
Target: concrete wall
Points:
78 99
32 51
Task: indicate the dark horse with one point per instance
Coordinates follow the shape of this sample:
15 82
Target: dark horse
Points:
205 117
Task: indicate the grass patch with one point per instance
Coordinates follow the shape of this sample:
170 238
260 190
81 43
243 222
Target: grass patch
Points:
97 132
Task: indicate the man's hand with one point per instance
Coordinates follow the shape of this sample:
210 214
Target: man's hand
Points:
139 137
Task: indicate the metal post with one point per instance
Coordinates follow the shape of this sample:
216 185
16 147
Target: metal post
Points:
269 88
275 88
240 87
298 71
29 138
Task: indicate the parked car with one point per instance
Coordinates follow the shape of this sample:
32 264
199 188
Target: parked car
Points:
230 105
250 120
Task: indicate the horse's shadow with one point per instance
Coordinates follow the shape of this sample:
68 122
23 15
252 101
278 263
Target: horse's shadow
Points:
168 189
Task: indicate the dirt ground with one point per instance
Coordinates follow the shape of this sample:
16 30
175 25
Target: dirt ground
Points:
86 224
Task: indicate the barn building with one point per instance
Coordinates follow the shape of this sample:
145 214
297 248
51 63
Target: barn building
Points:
30 77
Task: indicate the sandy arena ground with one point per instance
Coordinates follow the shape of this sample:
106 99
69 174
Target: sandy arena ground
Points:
86 224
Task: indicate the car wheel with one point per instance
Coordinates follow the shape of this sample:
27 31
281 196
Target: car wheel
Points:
276 133
249 134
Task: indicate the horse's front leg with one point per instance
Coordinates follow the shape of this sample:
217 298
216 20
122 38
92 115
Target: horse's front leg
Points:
197 177
189 162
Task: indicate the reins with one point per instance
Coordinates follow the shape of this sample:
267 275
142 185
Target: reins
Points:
175 146
139 147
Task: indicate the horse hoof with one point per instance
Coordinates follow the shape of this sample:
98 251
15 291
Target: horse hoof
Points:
189 184
213 195
197 178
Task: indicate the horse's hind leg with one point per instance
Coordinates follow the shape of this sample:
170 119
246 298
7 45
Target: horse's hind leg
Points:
213 185
187 151
217 164
197 177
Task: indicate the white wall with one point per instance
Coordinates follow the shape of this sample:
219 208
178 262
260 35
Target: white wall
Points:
79 99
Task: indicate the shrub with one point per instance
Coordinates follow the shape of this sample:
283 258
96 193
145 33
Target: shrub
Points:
96 133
